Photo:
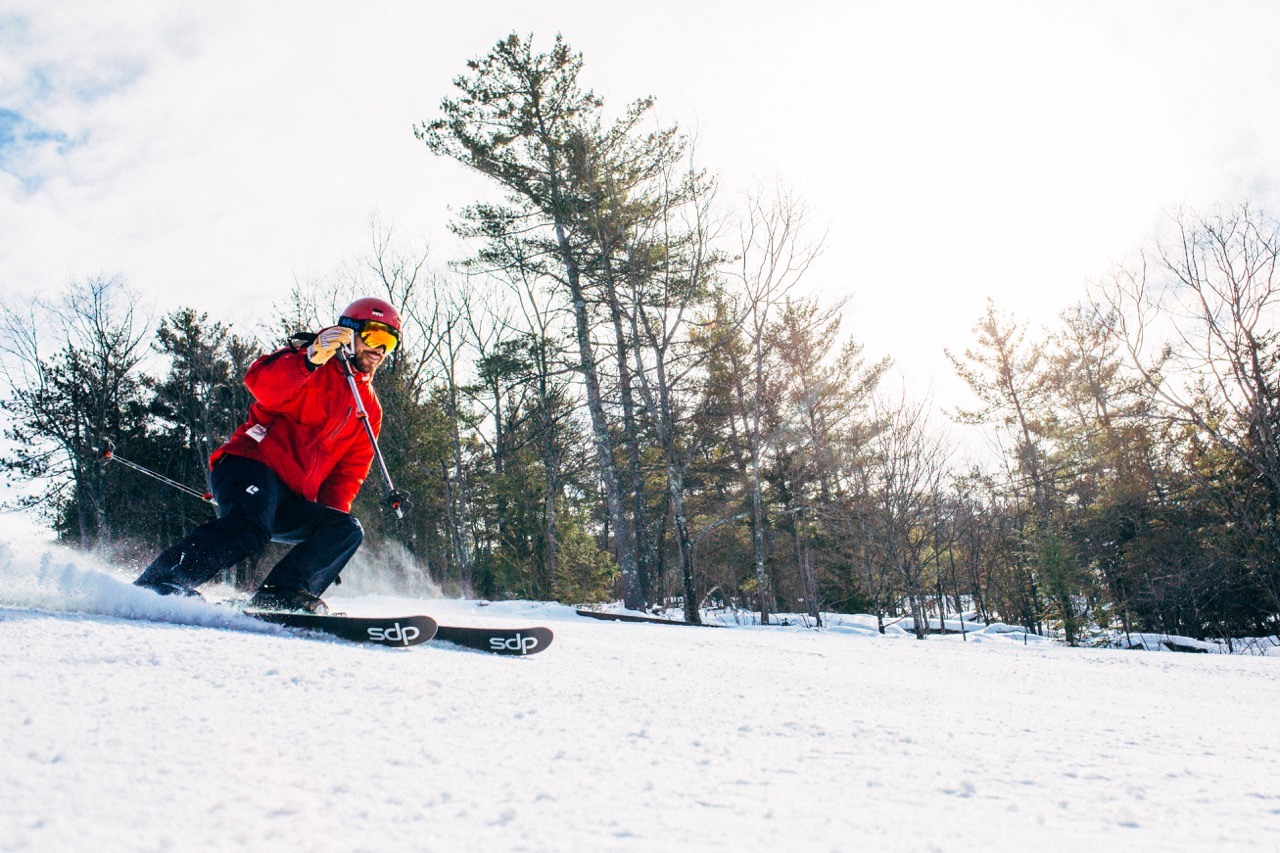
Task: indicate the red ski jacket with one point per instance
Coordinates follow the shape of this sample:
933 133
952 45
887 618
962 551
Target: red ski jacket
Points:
304 426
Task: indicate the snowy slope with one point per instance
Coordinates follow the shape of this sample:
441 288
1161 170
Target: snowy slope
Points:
209 732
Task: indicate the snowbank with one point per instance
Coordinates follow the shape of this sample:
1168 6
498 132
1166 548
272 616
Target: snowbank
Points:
186 729
57 579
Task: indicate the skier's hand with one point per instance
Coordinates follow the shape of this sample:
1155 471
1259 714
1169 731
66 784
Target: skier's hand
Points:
327 342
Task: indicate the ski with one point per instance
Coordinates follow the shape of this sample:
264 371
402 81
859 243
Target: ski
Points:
499 641
400 631
632 617
397 631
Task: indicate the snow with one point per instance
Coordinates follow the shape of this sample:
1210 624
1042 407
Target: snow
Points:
132 722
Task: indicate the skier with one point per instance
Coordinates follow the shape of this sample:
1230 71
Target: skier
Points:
291 471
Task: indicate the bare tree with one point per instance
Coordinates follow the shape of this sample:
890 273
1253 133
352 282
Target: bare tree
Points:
63 403
774 254
910 465
547 367
1200 321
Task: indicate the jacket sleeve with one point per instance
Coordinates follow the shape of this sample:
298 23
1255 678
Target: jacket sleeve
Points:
275 379
340 488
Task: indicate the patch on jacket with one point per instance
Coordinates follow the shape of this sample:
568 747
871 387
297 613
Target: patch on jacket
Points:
257 432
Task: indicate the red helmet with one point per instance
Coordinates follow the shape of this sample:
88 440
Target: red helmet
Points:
372 308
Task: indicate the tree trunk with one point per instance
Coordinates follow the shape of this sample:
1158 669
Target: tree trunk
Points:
675 485
811 583
624 544
462 517
757 491
631 434
763 593
552 546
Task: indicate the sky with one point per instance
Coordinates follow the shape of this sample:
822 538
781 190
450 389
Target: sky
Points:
212 154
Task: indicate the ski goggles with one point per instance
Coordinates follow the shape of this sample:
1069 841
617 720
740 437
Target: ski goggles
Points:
375 334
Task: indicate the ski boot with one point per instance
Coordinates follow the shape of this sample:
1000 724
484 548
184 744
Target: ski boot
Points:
166 588
272 597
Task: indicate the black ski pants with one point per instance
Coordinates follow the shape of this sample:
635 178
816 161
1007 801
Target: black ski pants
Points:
254 508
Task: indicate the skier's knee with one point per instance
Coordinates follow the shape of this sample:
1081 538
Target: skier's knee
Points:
249 536
353 530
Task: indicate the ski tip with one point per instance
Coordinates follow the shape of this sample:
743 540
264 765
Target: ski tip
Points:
520 642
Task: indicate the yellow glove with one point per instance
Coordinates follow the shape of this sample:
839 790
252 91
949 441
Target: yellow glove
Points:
327 342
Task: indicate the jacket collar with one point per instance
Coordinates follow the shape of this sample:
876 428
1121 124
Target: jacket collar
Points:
361 378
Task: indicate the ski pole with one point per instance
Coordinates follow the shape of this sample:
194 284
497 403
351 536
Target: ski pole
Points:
107 453
396 500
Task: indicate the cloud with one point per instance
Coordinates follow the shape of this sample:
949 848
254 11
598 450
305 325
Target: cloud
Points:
25 149
60 70
215 153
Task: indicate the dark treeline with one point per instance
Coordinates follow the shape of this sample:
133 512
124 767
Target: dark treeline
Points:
625 392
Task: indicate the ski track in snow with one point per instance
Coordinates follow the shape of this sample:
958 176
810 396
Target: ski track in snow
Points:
202 729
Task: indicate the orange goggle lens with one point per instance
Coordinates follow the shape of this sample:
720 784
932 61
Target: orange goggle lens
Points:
377 334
